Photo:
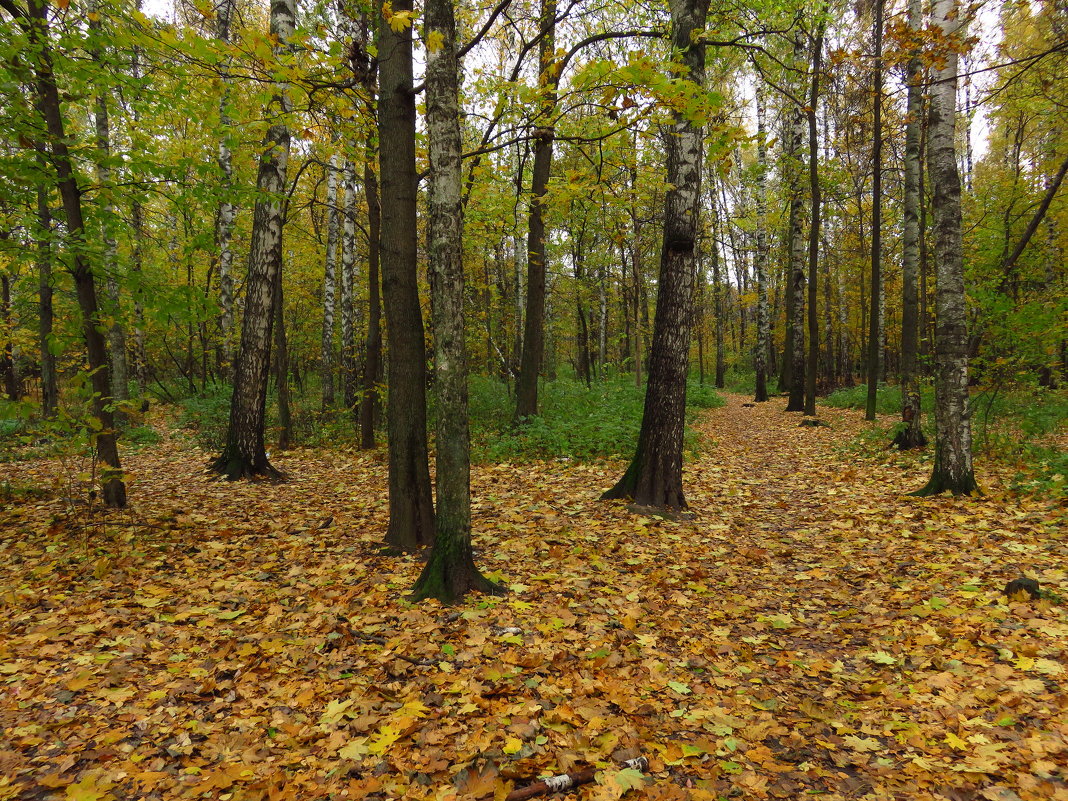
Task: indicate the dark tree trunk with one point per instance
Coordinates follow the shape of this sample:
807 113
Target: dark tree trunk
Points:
37 31
526 390
281 366
411 505
372 369
244 454
12 383
874 313
654 477
795 288
49 383
717 298
812 365
760 352
450 573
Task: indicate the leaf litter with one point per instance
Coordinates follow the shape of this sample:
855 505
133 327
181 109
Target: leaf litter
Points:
814 632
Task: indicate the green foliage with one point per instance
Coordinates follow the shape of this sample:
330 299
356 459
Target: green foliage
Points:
601 421
207 415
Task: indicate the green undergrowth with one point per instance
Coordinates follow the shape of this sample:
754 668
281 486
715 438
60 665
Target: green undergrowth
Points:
576 422
1023 428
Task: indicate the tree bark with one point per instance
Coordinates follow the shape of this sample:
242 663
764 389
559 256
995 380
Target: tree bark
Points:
244 454
812 365
372 369
875 313
450 573
911 435
411 510
326 346
348 288
795 289
654 477
49 383
526 391
37 30
227 213
953 432
760 353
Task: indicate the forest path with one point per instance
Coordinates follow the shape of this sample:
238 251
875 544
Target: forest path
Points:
812 630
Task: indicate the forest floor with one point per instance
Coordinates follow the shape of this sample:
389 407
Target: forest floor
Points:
814 632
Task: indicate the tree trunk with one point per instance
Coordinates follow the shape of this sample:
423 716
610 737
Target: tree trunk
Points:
812 366
953 431
37 31
244 454
411 509
372 369
875 312
450 573
654 477
227 213
348 288
911 435
795 289
12 384
526 391
281 366
49 382
326 347
760 353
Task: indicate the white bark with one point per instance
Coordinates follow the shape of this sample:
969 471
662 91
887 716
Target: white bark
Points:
329 284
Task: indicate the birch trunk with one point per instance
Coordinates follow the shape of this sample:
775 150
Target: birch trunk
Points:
450 573
911 436
227 213
326 349
717 297
812 364
348 283
244 454
953 432
760 354
411 510
654 477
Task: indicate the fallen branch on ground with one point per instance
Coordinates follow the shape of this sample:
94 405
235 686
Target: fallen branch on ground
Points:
565 781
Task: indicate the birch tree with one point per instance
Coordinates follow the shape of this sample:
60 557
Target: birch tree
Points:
760 354
953 430
654 477
326 349
911 436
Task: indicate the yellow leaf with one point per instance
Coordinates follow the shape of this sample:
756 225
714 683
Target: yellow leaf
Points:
354 749
382 740
80 681
399 20
513 745
956 742
435 41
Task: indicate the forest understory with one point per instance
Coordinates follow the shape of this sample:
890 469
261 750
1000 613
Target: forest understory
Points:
814 632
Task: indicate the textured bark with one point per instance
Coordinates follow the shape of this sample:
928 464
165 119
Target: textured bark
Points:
911 435
654 477
227 213
760 353
281 366
875 326
450 573
50 107
244 454
795 289
12 383
348 288
49 383
953 432
326 348
812 365
411 510
372 369
526 391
